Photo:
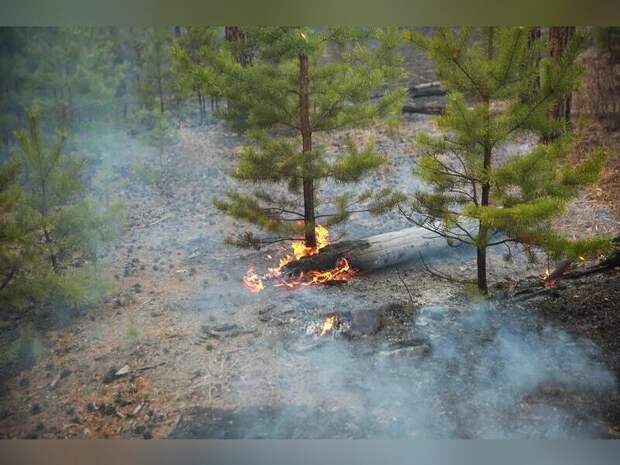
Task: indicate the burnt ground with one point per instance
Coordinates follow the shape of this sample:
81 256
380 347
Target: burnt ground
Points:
589 308
205 358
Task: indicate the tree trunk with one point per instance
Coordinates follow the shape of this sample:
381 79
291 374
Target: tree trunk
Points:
160 87
52 255
235 35
559 38
374 252
533 36
306 135
485 189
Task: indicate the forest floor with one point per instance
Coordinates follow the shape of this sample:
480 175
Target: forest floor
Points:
203 357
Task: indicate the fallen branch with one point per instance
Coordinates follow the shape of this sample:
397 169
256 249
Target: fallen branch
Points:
406 287
441 275
149 367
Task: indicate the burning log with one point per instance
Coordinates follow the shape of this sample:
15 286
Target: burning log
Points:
371 253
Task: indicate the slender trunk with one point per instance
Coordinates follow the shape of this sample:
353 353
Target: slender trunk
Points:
533 36
53 258
199 97
160 88
7 279
559 38
306 136
235 35
486 188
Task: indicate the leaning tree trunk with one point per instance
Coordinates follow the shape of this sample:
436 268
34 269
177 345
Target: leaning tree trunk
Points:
306 135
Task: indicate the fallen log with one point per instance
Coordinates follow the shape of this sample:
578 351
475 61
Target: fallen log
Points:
428 89
423 109
374 252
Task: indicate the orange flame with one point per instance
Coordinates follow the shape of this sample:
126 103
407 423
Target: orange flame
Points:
547 282
342 271
329 324
252 281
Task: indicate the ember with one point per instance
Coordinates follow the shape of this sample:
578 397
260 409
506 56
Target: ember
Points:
340 273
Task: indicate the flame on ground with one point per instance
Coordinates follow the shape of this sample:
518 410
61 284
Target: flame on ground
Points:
341 272
252 281
329 324
547 282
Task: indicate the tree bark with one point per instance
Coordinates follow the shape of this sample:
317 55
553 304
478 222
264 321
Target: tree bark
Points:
533 36
306 135
160 87
235 35
559 38
485 189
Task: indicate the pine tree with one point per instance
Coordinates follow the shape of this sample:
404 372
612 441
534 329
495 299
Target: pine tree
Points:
154 73
291 92
476 198
52 227
151 120
13 83
190 53
74 73
13 236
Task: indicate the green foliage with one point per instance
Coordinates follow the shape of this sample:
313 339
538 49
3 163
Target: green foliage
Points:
50 240
350 83
190 52
608 38
488 76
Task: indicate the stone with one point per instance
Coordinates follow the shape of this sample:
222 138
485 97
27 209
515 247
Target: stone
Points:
123 371
35 409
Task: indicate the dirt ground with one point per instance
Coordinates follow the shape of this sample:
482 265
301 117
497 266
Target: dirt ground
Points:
206 358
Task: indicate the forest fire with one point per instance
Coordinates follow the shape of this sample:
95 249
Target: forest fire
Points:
340 273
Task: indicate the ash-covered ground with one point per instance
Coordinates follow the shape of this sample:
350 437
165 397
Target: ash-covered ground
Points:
181 349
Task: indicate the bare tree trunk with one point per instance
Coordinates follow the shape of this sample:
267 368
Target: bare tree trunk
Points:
200 107
533 36
160 87
53 258
559 38
306 135
235 35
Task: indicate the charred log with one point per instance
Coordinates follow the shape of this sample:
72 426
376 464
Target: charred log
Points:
372 253
428 89
423 109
